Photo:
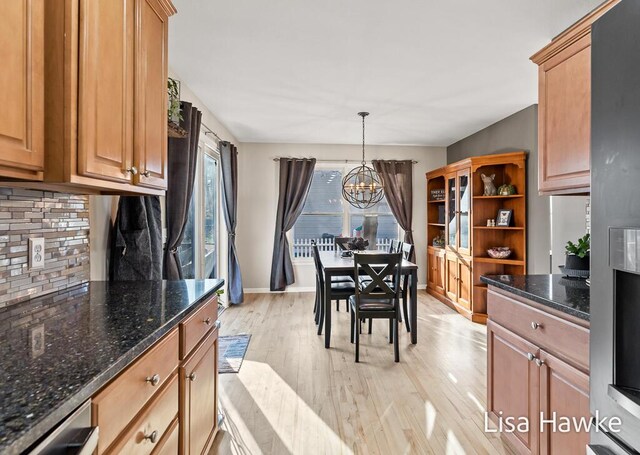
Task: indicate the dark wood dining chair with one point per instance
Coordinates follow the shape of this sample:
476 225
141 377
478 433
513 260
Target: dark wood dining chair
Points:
377 299
407 253
395 246
339 290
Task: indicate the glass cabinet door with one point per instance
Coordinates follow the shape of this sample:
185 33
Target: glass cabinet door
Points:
464 212
452 216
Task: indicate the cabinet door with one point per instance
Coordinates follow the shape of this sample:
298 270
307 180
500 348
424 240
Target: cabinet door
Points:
452 212
151 94
432 271
440 273
464 212
464 283
513 384
22 88
565 120
198 405
105 97
451 277
564 390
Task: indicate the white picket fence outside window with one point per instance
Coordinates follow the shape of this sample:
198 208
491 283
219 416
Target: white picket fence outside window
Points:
302 248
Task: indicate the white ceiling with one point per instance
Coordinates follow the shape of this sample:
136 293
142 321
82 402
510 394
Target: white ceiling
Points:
430 71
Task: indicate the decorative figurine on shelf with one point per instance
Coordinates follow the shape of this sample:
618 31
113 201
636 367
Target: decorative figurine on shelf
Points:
358 243
489 187
438 241
506 190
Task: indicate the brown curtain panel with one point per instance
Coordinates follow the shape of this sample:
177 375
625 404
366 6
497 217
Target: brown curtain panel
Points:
295 181
229 166
397 178
181 165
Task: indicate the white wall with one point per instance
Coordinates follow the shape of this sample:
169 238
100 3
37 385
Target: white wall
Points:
258 199
568 222
102 209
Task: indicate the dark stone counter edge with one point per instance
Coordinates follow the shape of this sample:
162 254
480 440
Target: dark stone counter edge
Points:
536 298
40 429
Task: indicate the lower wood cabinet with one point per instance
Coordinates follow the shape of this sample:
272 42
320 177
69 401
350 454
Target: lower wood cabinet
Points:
564 390
198 392
534 376
152 425
437 268
166 401
458 286
513 384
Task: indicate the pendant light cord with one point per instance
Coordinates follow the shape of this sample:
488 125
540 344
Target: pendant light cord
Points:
363 115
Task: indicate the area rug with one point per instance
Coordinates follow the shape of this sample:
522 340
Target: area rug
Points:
231 351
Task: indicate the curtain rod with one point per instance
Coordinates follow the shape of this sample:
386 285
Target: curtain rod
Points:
331 161
210 131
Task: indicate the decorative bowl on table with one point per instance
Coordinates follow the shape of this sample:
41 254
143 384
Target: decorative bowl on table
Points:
499 252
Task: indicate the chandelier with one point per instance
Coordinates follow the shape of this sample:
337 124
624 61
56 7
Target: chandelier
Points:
362 187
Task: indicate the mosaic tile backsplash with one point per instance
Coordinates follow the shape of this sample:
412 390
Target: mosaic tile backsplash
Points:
63 221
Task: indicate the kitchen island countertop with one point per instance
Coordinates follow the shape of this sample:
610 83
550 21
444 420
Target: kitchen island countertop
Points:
58 350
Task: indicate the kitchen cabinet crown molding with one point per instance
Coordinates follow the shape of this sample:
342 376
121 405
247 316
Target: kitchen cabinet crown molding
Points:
572 34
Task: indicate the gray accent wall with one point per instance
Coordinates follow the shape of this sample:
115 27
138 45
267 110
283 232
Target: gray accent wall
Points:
517 132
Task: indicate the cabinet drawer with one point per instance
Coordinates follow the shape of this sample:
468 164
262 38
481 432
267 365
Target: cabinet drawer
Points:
170 442
117 404
195 327
558 336
149 429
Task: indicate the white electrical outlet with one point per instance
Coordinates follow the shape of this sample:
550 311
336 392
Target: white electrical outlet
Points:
36 253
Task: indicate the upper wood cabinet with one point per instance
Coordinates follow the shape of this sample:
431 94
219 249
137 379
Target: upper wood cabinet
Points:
564 109
105 89
106 127
150 147
22 93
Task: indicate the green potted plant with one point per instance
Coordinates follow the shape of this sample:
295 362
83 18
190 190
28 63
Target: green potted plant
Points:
578 253
174 112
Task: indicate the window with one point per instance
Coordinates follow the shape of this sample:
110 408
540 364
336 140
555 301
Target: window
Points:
326 215
199 252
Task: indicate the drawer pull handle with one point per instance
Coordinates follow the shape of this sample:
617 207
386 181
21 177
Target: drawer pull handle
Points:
153 437
531 357
536 325
132 170
153 380
207 321
145 173
539 362
191 377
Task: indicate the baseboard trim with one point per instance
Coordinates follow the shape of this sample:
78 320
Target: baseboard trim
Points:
421 287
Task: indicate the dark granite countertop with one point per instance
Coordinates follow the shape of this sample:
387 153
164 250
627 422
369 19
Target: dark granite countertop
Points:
567 295
56 351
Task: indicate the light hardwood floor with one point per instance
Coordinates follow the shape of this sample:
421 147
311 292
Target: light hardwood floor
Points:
293 396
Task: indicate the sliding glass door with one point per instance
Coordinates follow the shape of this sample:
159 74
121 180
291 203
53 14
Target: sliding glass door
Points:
210 215
199 251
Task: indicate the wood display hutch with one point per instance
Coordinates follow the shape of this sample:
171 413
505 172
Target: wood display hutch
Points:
458 236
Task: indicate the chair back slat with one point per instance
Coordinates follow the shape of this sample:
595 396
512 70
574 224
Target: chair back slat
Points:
317 262
378 267
395 246
407 251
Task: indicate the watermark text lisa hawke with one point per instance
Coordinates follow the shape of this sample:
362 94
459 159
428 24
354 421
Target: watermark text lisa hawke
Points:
553 423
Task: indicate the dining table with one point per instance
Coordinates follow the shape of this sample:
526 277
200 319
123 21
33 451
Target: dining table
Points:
333 263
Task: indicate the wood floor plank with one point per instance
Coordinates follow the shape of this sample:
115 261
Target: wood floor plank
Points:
293 396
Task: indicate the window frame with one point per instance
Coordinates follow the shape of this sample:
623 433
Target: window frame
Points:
347 210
